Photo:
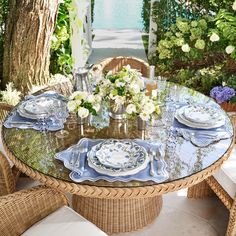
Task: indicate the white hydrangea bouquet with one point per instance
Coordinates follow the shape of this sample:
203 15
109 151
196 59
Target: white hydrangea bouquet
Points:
84 104
120 87
143 106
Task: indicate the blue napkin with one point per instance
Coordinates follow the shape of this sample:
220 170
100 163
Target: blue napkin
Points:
14 120
85 172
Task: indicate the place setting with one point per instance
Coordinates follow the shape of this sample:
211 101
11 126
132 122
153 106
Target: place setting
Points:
47 111
115 160
201 124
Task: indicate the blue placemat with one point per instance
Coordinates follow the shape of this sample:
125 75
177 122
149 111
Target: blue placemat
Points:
90 174
14 120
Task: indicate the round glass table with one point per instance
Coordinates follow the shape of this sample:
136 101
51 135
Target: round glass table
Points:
120 206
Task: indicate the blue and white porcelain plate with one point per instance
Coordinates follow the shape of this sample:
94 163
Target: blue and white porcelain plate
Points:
118 158
203 114
198 123
39 107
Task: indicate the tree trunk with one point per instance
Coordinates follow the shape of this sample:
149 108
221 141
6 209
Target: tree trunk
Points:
30 26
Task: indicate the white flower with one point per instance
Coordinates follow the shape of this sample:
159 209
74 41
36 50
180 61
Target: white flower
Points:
149 108
83 112
73 95
119 83
144 100
78 102
11 95
185 48
131 109
119 100
229 49
109 73
134 87
82 95
141 84
214 37
234 5
128 67
91 98
127 79
154 93
96 107
97 98
72 105
144 116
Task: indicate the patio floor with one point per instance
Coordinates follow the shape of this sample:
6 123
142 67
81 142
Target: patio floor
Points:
117 42
180 216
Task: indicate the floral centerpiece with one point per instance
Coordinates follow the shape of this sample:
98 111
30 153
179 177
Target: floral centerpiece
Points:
126 92
144 107
119 88
84 104
223 95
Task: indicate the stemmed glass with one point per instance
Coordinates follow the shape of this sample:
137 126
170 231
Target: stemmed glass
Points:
59 116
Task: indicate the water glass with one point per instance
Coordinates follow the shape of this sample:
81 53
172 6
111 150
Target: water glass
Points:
168 115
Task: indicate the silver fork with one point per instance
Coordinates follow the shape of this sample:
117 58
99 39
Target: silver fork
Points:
158 149
152 154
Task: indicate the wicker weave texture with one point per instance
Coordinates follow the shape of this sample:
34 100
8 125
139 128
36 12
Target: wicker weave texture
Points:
220 192
118 193
118 215
200 190
64 88
115 64
4 110
19 211
7 178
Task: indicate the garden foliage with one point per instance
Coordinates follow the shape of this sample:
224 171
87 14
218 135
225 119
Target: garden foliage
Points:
197 42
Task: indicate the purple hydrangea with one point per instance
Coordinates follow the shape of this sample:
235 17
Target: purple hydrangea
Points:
222 94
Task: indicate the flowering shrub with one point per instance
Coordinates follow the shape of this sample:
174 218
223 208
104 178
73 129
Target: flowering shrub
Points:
222 94
84 103
10 96
189 41
200 51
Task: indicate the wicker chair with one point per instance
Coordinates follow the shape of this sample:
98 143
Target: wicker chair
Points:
21 210
8 174
41 211
64 88
222 184
116 63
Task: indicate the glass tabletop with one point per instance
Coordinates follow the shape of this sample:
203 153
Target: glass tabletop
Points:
37 149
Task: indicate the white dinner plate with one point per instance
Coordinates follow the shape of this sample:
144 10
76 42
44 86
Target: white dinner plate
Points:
120 158
202 114
181 118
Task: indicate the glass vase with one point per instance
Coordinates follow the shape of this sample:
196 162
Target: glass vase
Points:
83 121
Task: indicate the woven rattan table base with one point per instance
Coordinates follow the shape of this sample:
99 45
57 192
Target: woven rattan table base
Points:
118 215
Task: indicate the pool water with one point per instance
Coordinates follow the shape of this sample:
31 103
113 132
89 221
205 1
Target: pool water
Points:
118 14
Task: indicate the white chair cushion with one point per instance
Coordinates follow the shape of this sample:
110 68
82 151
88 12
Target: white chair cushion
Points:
226 176
63 222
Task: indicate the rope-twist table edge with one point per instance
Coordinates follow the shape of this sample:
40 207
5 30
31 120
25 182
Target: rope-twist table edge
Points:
121 192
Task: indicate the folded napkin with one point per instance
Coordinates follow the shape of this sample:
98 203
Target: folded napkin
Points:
14 120
85 172
202 137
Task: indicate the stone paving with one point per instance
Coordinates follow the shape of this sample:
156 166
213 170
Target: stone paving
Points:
117 42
